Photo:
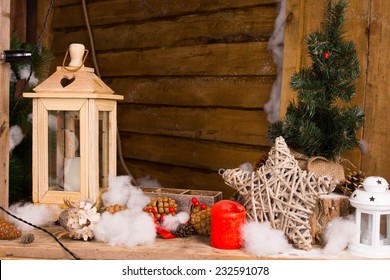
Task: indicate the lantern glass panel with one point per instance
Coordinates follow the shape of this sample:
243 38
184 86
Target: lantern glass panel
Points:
64 152
103 148
385 229
366 228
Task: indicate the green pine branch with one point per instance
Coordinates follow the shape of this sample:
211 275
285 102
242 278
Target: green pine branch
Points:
20 168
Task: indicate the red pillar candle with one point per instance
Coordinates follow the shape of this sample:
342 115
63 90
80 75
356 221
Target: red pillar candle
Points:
227 219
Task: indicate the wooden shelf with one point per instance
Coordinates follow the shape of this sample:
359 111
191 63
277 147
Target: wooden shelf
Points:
191 248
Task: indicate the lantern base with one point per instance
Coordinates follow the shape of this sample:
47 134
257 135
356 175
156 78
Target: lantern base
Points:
369 251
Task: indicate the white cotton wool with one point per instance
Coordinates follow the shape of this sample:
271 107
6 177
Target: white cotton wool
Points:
36 214
130 227
276 46
137 200
147 181
15 137
246 166
118 192
260 239
52 122
339 233
125 228
24 73
171 222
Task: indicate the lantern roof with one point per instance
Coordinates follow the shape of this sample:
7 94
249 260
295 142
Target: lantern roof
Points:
68 80
370 200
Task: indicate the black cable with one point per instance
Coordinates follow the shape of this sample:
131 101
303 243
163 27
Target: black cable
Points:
44 25
44 230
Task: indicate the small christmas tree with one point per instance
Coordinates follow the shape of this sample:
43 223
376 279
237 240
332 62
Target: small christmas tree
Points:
320 122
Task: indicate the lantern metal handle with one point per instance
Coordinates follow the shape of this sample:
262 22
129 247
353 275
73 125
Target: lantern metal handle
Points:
71 68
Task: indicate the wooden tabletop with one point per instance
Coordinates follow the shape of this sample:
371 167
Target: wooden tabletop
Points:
191 248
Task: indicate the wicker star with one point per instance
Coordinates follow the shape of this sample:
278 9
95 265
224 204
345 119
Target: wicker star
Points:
281 192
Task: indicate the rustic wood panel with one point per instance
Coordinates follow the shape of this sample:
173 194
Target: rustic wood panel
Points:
186 152
303 17
292 50
19 12
376 131
217 124
121 11
222 59
233 92
206 60
230 26
4 104
356 26
42 8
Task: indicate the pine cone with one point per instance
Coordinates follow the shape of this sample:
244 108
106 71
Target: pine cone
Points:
79 219
8 230
184 230
114 208
28 238
200 219
162 205
63 218
260 162
351 183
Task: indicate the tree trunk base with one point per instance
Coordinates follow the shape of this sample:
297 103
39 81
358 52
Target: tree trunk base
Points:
327 208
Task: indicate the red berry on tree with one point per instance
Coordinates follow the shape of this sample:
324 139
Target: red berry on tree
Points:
171 209
197 203
326 55
203 206
194 199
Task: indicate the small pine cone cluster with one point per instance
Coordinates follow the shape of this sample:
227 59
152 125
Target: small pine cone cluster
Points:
184 230
352 181
114 208
8 230
200 217
162 206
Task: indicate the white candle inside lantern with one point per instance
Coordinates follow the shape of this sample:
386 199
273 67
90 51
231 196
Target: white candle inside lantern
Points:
72 174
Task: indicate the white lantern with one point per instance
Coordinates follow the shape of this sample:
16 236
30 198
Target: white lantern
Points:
372 216
74 133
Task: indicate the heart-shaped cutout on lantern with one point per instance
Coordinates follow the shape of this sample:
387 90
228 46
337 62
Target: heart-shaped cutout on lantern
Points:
66 81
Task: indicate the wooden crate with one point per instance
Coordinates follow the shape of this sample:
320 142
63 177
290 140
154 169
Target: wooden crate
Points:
183 197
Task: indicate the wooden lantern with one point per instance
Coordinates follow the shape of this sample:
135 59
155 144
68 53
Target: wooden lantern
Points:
74 133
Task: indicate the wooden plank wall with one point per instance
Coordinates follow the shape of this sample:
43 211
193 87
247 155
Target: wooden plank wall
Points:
4 104
376 101
195 76
366 24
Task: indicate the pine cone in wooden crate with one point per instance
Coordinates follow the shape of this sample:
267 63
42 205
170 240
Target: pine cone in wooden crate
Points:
114 208
200 217
8 230
162 206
